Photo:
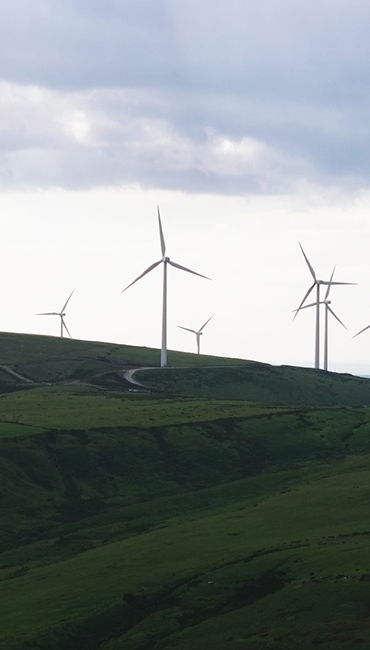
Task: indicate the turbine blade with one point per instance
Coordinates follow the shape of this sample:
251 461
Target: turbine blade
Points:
329 285
335 283
48 313
203 326
308 262
187 329
150 268
335 316
67 301
65 327
312 304
163 245
304 299
183 268
360 332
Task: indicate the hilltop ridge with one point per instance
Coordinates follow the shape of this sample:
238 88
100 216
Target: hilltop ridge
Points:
45 359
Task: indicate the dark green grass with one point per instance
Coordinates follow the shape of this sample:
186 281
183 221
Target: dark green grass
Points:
157 492
81 407
53 479
51 359
189 580
47 358
259 382
12 429
226 509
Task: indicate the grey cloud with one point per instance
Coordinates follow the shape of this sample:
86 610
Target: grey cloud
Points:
80 140
137 91
83 44
294 47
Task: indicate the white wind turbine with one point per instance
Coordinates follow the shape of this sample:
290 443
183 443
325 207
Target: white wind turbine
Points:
165 261
316 283
198 333
328 310
61 315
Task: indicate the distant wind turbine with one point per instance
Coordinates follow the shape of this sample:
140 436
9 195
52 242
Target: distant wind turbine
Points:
165 261
328 310
61 315
316 283
198 333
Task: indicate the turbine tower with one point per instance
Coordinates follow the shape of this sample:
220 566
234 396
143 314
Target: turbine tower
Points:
328 310
165 261
198 333
316 283
61 315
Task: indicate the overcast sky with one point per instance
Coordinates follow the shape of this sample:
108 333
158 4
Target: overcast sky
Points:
248 123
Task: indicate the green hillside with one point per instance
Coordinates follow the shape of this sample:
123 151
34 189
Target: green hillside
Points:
47 358
261 382
226 508
50 360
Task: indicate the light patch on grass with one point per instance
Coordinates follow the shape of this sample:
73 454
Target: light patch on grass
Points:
71 407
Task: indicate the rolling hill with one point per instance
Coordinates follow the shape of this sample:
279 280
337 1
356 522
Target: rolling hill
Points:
222 505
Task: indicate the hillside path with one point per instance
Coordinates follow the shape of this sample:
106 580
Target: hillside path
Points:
129 375
16 374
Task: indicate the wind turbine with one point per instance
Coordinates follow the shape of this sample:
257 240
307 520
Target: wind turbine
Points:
165 261
328 310
198 333
316 283
61 315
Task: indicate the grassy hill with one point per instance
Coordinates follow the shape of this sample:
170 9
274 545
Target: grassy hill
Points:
47 358
50 360
227 508
260 382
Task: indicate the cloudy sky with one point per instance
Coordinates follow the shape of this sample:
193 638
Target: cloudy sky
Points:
248 123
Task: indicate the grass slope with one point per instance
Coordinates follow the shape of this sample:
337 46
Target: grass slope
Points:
286 566
261 382
45 359
48 358
228 508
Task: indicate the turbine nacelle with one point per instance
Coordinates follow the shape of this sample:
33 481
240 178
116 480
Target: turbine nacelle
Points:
61 315
198 333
